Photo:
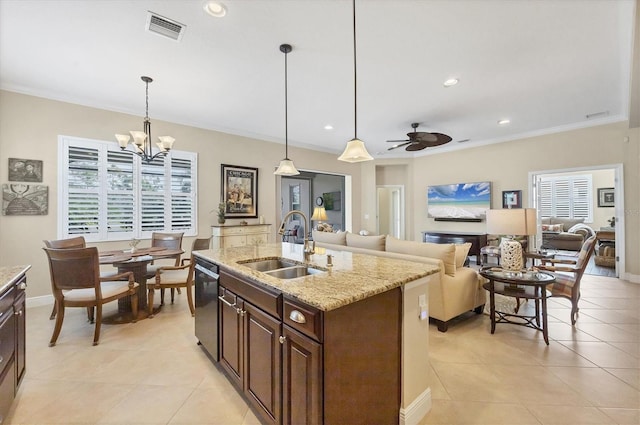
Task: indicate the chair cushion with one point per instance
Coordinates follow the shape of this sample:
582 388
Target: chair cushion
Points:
563 284
375 243
339 238
490 250
109 289
171 277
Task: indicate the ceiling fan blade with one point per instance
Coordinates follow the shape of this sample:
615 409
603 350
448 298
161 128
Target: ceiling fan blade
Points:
441 139
415 147
398 141
422 136
406 142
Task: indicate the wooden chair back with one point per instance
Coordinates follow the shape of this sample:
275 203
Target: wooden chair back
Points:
77 242
201 244
74 268
167 240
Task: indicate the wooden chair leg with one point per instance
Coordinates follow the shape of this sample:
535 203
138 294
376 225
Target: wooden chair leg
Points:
190 301
173 295
90 316
150 300
134 306
96 333
161 296
58 326
53 311
179 291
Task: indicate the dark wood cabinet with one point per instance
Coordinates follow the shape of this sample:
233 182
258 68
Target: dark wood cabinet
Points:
301 379
20 312
230 331
478 240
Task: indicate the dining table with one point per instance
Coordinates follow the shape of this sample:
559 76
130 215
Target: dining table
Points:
135 262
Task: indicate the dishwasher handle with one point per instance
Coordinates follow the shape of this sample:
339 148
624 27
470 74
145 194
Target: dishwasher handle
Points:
207 271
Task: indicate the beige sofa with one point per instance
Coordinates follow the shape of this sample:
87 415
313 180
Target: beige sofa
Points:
456 290
564 233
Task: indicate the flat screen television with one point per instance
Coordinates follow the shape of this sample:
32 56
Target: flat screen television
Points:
459 202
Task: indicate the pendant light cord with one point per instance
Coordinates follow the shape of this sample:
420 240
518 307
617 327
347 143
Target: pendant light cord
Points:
286 108
355 77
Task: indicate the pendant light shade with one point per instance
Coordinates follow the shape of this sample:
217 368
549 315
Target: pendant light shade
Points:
355 150
286 167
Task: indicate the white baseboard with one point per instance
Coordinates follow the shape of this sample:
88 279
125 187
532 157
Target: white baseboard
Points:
633 278
39 301
417 410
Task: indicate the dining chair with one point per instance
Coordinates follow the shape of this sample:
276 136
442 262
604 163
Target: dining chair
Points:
167 241
568 274
175 277
76 282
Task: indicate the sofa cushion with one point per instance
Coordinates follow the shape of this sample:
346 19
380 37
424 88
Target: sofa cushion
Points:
444 252
376 243
567 223
339 238
462 250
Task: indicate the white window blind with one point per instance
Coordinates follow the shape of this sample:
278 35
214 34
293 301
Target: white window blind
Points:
566 197
109 194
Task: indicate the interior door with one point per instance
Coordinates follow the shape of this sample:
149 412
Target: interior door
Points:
390 211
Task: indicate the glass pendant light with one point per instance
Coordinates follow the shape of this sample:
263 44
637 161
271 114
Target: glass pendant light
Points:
355 150
286 167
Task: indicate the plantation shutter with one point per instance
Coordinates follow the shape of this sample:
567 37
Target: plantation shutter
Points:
566 197
109 194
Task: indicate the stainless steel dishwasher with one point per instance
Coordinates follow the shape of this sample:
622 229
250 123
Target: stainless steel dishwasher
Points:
206 320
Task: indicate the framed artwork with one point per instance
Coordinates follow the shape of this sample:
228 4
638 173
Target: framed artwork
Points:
25 199
25 170
511 199
332 201
239 191
606 197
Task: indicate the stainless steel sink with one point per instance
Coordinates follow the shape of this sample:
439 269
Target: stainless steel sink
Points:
269 264
293 272
281 268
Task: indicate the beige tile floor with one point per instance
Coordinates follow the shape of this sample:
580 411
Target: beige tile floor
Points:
152 372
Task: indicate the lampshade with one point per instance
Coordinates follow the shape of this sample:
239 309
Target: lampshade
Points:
355 152
319 214
286 168
519 221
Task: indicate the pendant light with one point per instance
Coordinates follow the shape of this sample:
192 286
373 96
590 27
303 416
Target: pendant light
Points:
142 139
286 167
355 150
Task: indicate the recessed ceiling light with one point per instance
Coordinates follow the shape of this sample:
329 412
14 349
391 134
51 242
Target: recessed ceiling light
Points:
328 127
451 82
504 121
215 9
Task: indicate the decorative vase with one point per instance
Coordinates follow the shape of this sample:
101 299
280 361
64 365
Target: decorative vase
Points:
221 221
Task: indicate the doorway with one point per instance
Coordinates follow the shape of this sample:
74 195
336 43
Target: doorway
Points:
602 215
390 211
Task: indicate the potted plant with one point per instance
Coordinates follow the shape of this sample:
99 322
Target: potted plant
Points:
221 210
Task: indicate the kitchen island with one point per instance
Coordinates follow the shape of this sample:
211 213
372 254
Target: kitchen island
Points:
342 343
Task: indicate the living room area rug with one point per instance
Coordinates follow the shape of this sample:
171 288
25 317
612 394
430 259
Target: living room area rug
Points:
503 303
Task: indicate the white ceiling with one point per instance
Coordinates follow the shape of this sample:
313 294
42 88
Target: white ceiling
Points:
543 64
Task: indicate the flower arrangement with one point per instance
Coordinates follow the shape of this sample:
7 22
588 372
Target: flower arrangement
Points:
221 210
134 244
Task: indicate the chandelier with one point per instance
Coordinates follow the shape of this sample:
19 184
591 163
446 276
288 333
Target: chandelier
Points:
286 167
142 139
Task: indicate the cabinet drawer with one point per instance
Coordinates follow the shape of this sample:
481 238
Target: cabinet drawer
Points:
7 337
7 387
303 318
268 301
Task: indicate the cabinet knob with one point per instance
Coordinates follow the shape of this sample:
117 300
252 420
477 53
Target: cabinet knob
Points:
297 317
282 339
22 286
18 313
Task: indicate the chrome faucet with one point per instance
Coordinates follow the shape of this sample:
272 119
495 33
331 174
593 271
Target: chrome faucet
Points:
308 250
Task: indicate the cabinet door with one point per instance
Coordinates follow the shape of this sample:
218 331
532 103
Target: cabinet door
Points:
21 328
263 357
234 240
230 330
301 379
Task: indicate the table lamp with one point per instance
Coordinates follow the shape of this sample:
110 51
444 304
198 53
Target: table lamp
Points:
319 214
512 222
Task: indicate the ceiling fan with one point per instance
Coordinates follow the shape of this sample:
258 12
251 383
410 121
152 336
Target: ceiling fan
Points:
419 140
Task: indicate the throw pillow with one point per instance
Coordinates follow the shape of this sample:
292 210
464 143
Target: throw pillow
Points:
462 250
375 243
444 252
552 228
339 238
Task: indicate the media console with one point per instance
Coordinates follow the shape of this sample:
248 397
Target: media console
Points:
478 240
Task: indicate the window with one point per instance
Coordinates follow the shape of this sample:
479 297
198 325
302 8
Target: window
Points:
566 197
107 194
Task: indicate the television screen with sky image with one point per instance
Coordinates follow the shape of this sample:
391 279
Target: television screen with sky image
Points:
459 202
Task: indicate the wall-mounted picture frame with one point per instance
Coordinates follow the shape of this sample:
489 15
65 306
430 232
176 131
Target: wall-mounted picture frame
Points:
25 170
606 197
25 199
511 199
239 191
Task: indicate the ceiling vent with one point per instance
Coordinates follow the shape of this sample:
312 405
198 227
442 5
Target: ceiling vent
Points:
164 26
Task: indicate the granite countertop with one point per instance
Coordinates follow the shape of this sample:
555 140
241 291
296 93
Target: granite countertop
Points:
353 277
9 275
